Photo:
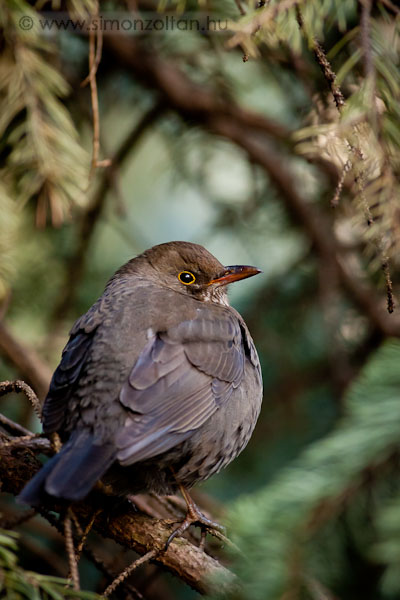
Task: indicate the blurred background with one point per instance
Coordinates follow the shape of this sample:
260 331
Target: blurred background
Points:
269 132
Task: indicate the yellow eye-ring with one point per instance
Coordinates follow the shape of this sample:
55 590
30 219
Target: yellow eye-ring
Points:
186 277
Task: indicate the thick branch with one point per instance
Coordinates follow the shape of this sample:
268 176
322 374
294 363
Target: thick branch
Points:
186 97
135 531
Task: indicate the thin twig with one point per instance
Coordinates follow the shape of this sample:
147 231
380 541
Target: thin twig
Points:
128 570
14 428
18 386
69 546
107 571
355 149
97 59
240 7
95 49
87 531
224 539
391 6
95 102
339 187
365 25
324 64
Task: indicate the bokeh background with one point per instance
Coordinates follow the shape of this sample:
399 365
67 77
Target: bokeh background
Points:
256 144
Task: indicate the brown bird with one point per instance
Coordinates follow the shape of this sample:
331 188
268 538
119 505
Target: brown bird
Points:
159 385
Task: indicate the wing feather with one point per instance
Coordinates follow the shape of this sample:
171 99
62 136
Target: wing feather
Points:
180 379
64 380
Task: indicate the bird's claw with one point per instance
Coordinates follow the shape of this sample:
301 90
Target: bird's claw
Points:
195 517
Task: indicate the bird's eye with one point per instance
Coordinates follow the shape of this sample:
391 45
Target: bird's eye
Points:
186 277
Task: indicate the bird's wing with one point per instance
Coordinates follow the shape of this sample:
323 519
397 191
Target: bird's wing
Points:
66 376
180 379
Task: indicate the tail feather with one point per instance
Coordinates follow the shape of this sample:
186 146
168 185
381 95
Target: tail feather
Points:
72 473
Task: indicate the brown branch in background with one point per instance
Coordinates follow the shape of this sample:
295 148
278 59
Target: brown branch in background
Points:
365 25
391 6
10 426
77 262
186 97
28 364
96 56
135 530
203 106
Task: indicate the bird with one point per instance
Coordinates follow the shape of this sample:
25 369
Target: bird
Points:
159 386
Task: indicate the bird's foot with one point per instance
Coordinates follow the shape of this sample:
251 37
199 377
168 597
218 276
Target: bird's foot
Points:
194 516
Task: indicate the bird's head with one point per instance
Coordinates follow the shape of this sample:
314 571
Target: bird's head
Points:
190 269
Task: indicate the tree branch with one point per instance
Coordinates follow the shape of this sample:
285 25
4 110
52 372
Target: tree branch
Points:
249 131
181 94
135 531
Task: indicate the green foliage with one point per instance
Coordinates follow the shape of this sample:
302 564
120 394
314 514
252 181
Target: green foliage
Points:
45 160
363 141
18 584
274 527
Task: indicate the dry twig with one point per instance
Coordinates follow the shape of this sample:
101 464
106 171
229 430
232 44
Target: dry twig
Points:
69 545
126 572
11 426
95 48
18 386
355 149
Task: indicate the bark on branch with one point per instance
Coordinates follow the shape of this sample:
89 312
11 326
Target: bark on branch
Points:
136 531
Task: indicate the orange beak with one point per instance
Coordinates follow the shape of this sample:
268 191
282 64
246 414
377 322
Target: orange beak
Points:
236 272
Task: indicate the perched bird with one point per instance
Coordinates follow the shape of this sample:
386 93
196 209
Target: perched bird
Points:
159 385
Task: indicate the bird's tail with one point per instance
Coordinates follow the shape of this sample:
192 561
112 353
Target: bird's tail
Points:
72 472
